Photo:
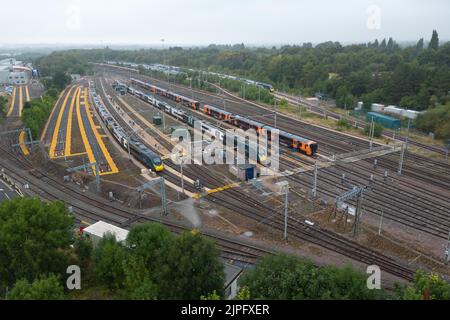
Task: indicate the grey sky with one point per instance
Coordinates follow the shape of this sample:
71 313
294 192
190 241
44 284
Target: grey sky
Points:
220 21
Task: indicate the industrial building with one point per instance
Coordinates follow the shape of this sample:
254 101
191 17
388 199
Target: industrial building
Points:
13 72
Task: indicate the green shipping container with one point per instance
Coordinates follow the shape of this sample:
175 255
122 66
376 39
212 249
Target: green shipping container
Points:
385 121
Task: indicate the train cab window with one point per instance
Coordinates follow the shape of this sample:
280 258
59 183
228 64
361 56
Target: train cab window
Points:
157 161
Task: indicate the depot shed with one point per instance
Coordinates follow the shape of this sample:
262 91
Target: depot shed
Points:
99 229
384 120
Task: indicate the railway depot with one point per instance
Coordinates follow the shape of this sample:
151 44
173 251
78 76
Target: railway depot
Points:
303 171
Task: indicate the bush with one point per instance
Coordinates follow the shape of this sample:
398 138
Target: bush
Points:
47 288
378 130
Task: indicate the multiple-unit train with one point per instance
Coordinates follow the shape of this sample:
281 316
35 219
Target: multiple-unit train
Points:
287 139
141 152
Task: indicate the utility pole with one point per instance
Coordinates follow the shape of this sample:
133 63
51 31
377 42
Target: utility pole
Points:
314 189
407 135
447 250
358 212
448 149
286 201
381 222
402 155
371 133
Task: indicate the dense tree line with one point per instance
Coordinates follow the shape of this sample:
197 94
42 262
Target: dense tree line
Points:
416 77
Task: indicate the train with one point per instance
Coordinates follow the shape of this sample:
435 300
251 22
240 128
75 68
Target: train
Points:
133 145
213 133
289 140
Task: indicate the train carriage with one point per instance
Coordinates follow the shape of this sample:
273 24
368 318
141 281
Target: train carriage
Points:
217 113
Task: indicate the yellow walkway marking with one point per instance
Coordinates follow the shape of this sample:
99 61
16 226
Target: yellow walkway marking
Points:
68 148
57 126
220 189
22 143
83 133
27 93
100 142
20 101
51 114
13 101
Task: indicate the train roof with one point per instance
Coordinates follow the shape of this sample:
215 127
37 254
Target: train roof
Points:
249 121
143 148
293 136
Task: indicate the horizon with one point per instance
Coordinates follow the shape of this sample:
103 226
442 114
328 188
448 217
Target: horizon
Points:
201 22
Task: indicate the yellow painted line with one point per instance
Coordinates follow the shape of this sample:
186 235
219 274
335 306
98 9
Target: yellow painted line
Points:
27 93
51 114
20 100
13 101
108 157
57 126
22 143
68 147
220 189
72 155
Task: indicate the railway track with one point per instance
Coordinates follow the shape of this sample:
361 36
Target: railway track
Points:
92 208
251 208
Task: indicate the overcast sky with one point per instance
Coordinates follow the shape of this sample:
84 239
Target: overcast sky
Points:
220 21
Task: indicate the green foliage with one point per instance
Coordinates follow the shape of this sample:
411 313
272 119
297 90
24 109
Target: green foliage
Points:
435 120
287 277
434 42
36 113
427 286
211 296
110 258
46 288
378 130
3 104
83 249
192 268
243 294
34 239
343 124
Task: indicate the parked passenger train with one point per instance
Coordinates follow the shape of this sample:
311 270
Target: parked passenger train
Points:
141 152
287 139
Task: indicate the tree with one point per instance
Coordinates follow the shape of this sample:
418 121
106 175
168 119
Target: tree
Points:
426 286
287 277
150 242
434 42
83 249
35 239
377 132
61 80
46 288
192 268
110 258
2 106
420 44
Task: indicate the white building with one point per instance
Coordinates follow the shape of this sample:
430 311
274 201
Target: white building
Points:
99 229
12 72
